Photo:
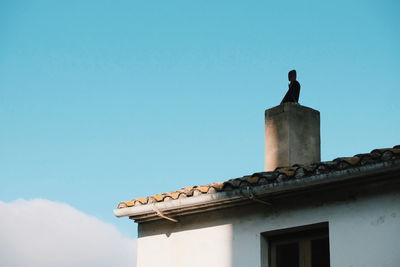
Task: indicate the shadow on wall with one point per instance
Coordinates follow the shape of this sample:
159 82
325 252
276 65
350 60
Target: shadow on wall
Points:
192 241
234 237
225 238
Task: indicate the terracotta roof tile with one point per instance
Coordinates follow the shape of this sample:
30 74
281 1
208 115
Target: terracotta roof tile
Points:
159 197
142 200
203 189
252 179
346 162
288 171
175 195
280 174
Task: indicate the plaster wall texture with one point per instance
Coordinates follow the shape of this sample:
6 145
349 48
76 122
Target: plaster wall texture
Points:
292 135
364 230
205 246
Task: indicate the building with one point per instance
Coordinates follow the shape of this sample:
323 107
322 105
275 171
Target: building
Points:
300 212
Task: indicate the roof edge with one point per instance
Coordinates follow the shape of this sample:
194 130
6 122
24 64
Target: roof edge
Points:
219 200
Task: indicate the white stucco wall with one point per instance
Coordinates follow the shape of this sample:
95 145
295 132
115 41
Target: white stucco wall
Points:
364 230
211 245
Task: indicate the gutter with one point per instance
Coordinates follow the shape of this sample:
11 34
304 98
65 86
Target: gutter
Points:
241 196
182 204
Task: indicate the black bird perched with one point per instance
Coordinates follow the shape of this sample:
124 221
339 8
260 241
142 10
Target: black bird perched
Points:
293 93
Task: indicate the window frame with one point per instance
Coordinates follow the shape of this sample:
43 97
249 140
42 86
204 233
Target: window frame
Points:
303 235
305 256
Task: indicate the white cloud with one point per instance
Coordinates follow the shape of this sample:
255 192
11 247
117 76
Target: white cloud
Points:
45 233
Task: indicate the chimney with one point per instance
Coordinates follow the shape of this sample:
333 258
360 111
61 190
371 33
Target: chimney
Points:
292 134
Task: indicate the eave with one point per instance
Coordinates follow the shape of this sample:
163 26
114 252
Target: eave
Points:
263 193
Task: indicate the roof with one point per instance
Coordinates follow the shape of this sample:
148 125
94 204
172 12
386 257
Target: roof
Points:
279 176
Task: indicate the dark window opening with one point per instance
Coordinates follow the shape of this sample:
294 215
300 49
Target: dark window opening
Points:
287 255
299 247
320 252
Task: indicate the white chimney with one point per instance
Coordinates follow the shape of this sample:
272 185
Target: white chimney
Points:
292 134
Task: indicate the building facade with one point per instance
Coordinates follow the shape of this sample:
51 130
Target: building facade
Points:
340 213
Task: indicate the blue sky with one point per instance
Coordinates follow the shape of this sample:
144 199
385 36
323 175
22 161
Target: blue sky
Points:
104 101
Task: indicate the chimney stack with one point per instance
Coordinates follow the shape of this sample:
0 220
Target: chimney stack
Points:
292 134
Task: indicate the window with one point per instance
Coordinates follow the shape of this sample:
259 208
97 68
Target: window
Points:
299 247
